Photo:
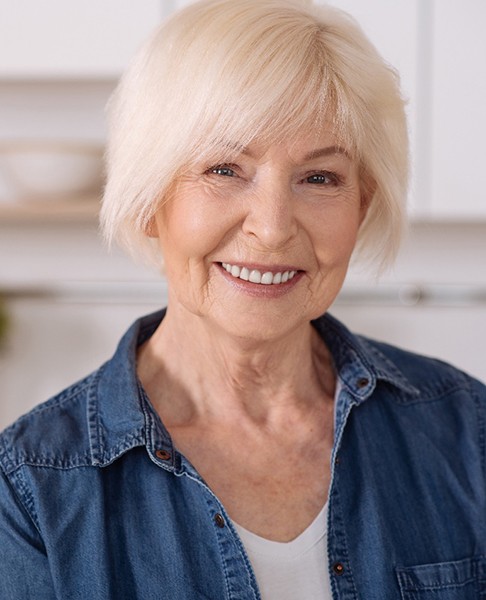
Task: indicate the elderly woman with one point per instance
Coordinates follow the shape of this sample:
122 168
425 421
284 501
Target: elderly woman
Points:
242 443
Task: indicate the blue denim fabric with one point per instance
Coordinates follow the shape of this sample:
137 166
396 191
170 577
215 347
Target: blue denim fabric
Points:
96 504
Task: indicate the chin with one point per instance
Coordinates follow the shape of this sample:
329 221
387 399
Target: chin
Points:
261 326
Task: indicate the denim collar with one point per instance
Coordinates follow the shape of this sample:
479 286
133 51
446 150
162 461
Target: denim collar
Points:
120 416
358 362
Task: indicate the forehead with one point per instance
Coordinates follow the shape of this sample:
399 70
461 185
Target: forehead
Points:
302 146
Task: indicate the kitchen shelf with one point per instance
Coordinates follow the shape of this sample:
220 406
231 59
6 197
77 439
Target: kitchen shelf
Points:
82 209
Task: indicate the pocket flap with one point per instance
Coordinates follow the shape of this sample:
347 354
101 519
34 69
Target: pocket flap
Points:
442 576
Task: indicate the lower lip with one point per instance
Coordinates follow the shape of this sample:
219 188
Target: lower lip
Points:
259 290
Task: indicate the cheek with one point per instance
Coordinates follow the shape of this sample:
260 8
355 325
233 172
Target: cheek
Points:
334 235
190 228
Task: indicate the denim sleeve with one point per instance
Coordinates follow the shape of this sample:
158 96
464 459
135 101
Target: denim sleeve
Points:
24 568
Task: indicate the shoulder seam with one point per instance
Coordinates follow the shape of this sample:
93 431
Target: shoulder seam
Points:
24 495
10 459
481 420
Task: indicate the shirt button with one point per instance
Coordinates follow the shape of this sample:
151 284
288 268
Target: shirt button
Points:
163 454
362 382
219 520
338 568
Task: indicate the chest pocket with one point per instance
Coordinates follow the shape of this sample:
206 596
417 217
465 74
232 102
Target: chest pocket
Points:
457 580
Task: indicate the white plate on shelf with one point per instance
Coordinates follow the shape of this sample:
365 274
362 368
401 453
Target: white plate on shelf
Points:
51 170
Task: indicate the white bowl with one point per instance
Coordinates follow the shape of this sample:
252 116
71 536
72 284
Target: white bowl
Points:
51 170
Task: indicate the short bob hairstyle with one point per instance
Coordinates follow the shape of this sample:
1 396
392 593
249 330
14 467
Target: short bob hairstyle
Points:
221 73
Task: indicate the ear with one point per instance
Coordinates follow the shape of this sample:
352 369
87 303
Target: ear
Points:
151 228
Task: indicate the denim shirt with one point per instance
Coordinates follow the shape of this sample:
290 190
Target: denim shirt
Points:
96 503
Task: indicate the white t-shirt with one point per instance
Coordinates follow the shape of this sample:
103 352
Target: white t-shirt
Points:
296 570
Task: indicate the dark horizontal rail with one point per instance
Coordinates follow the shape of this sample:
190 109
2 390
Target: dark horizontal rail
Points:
143 292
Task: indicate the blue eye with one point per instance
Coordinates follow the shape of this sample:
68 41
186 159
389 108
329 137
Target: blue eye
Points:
321 179
222 170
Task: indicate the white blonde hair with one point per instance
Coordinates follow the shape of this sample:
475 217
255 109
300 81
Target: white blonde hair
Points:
232 71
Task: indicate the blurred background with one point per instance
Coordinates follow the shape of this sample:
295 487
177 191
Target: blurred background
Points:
65 301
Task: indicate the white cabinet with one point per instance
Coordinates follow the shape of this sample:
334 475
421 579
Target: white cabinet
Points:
458 125
171 5
439 47
56 39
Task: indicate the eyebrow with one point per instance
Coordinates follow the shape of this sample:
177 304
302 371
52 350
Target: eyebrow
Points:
328 151
317 153
313 154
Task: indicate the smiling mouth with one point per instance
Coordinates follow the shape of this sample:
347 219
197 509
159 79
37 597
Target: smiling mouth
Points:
256 276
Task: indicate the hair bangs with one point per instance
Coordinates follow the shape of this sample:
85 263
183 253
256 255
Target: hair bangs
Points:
290 91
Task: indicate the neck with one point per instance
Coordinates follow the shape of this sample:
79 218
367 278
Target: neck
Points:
216 376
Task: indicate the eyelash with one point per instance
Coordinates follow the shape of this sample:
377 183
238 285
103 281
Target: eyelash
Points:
214 170
333 178
224 170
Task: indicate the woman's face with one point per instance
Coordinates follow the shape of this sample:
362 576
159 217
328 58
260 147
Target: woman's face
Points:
260 246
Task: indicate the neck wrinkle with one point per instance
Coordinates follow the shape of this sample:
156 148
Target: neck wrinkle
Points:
191 373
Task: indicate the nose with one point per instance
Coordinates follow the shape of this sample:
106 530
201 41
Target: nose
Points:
270 218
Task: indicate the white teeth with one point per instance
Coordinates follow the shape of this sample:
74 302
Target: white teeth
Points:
267 278
245 274
255 276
